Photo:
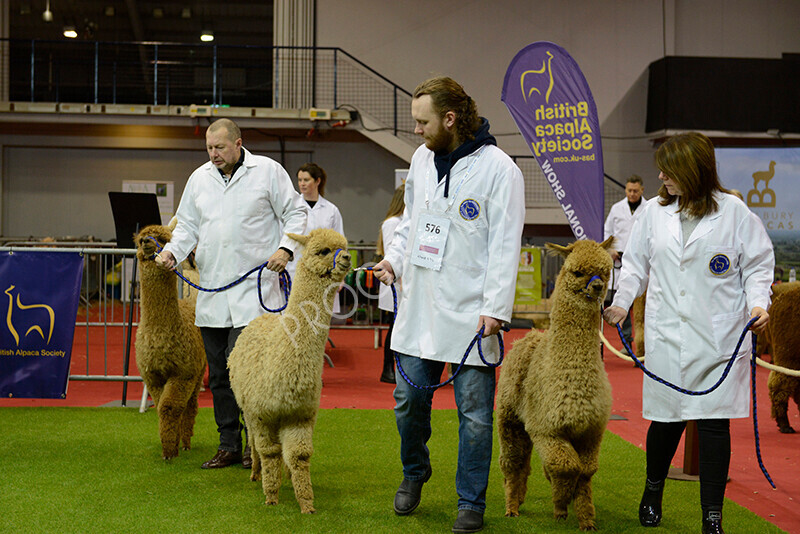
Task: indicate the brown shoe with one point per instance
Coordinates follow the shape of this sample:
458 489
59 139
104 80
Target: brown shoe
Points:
223 459
247 460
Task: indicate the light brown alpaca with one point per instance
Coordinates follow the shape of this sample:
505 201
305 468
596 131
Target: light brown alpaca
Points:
784 338
553 393
276 369
169 348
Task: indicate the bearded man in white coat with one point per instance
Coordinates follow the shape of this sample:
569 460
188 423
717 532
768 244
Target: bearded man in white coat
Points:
235 210
619 223
457 249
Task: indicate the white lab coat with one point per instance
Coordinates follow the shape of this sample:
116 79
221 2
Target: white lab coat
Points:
439 310
236 228
619 223
385 298
694 317
324 214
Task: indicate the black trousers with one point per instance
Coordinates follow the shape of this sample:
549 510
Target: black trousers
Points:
714 437
219 343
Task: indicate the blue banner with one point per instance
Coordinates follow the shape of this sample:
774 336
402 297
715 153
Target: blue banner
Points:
549 99
40 298
767 178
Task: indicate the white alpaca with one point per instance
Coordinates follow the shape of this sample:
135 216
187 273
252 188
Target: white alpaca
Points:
276 369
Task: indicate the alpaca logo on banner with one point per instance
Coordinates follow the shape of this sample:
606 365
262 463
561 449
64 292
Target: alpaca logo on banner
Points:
51 315
764 198
549 99
42 290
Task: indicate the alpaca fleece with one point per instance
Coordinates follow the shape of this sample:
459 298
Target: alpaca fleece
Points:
276 369
783 333
169 348
554 394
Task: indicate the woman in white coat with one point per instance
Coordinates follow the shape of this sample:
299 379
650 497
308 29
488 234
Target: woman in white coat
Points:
707 263
311 180
385 298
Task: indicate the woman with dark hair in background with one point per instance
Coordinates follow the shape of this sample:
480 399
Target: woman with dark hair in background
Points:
706 263
322 213
385 299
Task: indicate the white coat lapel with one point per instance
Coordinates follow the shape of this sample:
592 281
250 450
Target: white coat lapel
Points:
674 223
705 226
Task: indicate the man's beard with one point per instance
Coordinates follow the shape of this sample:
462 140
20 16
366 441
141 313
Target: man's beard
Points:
440 142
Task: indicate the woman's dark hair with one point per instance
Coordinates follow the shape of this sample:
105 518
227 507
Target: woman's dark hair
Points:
689 160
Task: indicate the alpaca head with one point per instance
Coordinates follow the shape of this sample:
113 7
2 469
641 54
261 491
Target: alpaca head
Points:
146 248
587 268
325 257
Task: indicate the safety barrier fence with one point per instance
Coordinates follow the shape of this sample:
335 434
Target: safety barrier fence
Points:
107 314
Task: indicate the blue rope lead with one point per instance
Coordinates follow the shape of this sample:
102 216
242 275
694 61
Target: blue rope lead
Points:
476 339
283 276
657 378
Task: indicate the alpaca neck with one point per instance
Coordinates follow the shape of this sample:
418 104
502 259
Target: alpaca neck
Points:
310 306
159 295
575 328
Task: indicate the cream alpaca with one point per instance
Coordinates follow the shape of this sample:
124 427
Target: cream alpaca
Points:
276 369
553 393
169 347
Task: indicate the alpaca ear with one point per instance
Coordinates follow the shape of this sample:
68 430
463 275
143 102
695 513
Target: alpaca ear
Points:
558 249
608 243
302 239
173 223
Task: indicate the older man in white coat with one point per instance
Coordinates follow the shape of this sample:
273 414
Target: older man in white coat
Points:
457 249
232 210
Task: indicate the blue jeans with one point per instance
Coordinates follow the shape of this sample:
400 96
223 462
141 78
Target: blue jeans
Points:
474 393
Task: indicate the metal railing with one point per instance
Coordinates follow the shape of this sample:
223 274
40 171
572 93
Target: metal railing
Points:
162 73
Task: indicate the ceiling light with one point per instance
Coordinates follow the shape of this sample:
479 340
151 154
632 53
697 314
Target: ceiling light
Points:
158 13
69 32
109 11
207 36
186 13
47 16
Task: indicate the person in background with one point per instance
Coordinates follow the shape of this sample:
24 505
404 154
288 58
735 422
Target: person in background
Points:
619 223
457 249
706 262
385 297
234 210
322 213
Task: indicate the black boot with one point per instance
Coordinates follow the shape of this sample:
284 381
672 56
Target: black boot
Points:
712 522
650 507
388 370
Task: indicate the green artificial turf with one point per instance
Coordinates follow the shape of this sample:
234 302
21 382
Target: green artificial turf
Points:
99 470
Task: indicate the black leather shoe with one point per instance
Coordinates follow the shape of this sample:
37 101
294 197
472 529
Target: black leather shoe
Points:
468 521
409 494
247 460
650 506
712 522
223 459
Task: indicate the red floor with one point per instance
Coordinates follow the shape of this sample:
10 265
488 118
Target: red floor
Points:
353 383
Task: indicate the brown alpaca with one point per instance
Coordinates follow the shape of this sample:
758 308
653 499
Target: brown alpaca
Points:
169 348
638 325
784 336
553 393
763 345
276 369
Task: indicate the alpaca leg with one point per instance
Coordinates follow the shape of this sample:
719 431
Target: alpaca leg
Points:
562 467
515 461
170 412
584 507
297 450
780 390
189 416
255 469
268 449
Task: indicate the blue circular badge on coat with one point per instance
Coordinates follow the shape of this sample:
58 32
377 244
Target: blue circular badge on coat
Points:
719 264
470 209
